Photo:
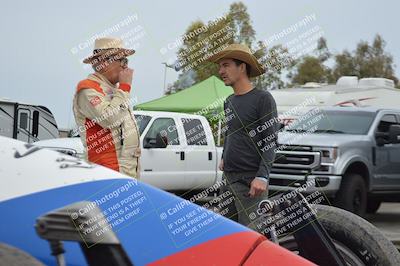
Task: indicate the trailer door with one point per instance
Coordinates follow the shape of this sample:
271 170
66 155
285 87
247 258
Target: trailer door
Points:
24 125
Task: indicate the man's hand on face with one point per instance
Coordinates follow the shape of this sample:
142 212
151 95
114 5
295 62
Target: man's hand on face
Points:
126 75
257 187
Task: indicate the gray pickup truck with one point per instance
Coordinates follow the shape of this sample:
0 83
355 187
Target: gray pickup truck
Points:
350 154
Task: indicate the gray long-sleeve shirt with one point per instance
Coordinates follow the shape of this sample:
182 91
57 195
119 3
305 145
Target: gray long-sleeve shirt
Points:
251 135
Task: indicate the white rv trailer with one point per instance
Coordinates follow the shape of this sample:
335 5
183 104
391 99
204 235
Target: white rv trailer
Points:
26 122
348 92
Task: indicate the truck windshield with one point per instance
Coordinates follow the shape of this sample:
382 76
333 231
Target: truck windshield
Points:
333 122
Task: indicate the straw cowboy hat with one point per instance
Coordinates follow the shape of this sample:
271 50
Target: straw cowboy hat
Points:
240 52
108 47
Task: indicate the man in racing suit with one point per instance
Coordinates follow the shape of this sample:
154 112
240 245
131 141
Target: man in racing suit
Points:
103 112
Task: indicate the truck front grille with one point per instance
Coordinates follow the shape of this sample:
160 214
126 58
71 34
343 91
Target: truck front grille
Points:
295 160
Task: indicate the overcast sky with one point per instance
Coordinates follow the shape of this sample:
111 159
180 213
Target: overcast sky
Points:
43 42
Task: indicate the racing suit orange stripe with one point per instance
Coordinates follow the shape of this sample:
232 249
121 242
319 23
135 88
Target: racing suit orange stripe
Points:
103 112
103 152
87 83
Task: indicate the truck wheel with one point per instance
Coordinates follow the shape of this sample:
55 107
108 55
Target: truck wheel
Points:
359 242
373 205
352 195
12 256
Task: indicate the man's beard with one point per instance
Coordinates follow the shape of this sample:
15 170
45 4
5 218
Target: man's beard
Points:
227 82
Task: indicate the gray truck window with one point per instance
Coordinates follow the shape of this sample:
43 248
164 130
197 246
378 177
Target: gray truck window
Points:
337 122
142 121
167 128
194 132
385 123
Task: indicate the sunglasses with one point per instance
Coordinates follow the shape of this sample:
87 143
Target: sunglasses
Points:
123 62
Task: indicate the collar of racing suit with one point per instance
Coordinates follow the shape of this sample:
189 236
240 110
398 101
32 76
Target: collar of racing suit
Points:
106 85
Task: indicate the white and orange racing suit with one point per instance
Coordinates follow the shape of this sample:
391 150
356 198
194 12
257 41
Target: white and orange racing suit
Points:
106 124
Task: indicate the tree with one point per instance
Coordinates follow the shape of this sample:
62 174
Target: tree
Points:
202 40
199 43
322 50
240 22
311 68
366 61
276 60
186 79
345 65
237 28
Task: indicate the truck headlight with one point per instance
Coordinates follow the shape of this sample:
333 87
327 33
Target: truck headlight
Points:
328 154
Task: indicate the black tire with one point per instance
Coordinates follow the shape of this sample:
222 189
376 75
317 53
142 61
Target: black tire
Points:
352 195
11 256
373 205
359 242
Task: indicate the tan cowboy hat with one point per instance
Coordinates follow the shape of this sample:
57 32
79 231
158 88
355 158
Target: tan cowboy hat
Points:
108 47
240 52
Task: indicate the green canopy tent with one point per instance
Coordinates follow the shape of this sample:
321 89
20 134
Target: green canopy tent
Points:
204 98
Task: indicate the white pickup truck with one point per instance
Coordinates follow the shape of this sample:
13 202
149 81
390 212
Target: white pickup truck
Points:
178 150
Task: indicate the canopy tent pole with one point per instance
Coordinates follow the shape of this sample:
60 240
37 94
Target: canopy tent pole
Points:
219 133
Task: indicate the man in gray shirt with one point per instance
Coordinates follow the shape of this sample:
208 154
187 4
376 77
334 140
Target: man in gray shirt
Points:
250 134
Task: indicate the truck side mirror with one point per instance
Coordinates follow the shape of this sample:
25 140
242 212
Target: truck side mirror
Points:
380 141
157 142
394 134
381 138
